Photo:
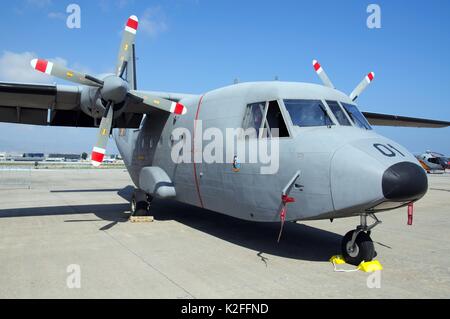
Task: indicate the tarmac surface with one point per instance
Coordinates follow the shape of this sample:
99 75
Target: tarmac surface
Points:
58 224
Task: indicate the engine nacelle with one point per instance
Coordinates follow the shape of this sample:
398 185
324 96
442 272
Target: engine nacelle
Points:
91 102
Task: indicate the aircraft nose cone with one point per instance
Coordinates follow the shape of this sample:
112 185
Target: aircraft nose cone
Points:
404 181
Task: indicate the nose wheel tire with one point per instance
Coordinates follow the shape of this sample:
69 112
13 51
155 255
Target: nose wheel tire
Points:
362 250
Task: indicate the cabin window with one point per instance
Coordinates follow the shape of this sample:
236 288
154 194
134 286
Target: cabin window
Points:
275 120
306 113
339 113
356 116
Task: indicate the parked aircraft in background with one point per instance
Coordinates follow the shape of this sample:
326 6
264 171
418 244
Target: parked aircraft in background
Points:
434 162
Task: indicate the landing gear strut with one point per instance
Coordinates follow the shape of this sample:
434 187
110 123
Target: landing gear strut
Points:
357 246
140 203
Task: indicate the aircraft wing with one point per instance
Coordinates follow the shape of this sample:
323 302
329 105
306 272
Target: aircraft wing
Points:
59 105
403 121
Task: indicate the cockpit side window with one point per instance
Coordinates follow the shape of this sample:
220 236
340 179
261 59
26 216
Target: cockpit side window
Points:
266 116
274 120
356 116
254 116
339 113
306 113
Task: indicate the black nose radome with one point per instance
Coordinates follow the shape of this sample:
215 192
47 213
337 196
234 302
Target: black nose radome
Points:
404 181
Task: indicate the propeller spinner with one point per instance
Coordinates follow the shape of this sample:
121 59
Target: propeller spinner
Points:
114 89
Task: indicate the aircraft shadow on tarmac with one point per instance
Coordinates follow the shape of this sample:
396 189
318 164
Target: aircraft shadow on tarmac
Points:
297 242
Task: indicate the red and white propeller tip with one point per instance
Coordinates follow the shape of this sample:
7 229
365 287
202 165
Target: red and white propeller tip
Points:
370 77
178 108
97 156
317 66
132 24
43 66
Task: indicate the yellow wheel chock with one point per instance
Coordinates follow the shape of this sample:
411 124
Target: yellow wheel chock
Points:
365 266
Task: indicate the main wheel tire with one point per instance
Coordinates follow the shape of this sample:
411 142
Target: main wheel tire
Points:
138 208
133 204
363 249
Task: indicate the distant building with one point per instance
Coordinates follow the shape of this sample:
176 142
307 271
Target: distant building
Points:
63 158
31 157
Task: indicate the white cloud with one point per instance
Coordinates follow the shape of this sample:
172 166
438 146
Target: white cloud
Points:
39 3
153 21
107 5
15 67
57 15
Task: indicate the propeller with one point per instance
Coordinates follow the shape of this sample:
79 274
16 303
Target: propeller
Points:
162 104
114 89
322 75
327 82
362 86
64 73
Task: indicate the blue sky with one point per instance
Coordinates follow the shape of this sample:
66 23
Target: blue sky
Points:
194 46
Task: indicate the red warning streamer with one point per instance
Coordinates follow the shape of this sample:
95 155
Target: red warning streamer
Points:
285 199
410 213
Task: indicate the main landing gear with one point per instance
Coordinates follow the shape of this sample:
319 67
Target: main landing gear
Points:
140 203
357 246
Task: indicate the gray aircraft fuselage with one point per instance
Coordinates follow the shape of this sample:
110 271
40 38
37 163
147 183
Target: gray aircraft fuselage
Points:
345 170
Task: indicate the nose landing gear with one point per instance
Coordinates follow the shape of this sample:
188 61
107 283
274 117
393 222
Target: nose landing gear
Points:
357 246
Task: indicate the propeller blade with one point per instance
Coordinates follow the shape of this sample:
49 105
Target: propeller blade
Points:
322 75
128 39
64 73
99 150
362 86
159 103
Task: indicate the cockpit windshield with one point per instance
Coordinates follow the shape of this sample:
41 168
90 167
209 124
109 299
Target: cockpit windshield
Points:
339 114
356 116
305 113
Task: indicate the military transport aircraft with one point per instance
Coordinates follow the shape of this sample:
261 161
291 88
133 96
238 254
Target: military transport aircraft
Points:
331 162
